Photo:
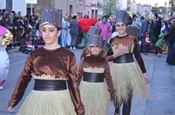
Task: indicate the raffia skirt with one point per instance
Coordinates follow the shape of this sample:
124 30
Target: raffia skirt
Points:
128 80
95 97
48 103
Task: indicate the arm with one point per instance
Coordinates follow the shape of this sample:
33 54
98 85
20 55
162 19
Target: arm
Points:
138 56
80 72
113 55
107 76
109 30
73 87
110 52
22 83
147 40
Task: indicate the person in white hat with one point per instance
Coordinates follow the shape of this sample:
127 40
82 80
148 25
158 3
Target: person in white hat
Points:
54 69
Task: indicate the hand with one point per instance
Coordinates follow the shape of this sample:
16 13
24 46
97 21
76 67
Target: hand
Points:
112 95
10 109
146 77
120 51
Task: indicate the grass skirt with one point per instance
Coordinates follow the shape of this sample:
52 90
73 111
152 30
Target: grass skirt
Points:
95 97
128 80
48 103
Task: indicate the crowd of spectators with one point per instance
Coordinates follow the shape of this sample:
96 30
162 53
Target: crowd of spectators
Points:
23 28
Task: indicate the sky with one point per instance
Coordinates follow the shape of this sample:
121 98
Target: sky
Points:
152 2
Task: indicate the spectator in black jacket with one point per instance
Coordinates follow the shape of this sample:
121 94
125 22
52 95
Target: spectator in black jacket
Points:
74 32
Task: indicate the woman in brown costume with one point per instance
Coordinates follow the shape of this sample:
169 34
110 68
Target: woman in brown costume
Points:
53 68
96 87
127 78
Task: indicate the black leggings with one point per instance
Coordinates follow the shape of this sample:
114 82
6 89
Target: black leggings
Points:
126 107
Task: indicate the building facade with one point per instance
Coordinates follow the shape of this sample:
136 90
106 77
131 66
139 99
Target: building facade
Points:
17 5
91 8
69 7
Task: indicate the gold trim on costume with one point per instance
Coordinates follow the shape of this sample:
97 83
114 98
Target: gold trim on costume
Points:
94 70
47 77
128 48
7 38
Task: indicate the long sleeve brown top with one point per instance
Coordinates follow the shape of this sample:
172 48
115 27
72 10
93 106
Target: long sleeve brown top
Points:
97 63
60 63
131 46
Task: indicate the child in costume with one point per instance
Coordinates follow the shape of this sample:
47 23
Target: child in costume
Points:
127 78
96 87
5 38
54 69
147 43
159 45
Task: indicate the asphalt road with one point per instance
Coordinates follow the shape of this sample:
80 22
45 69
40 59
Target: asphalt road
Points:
162 86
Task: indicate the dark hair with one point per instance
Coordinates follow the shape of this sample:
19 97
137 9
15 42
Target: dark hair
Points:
156 15
105 17
86 16
134 16
58 28
130 20
142 18
74 17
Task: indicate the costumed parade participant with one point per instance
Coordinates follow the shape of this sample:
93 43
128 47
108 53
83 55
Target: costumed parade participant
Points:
127 78
54 69
171 54
5 38
94 76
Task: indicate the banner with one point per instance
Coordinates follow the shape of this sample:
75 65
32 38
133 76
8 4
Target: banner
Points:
31 1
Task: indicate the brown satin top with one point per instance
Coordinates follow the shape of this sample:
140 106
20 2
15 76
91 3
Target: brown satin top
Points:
60 63
97 62
131 46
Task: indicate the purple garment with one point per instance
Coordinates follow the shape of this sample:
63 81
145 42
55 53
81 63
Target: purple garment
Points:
106 30
2 30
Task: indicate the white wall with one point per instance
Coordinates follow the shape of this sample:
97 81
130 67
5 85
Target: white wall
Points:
20 5
2 4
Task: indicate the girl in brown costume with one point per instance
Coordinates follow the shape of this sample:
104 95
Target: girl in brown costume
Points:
53 68
96 87
127 78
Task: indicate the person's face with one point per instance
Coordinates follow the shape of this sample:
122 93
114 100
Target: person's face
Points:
50 34
95 50
121 27
104 20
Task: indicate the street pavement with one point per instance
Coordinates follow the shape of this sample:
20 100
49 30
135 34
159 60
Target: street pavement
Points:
162 86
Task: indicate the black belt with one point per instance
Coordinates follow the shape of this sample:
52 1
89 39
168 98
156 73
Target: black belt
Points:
93 77
126 58
49 85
